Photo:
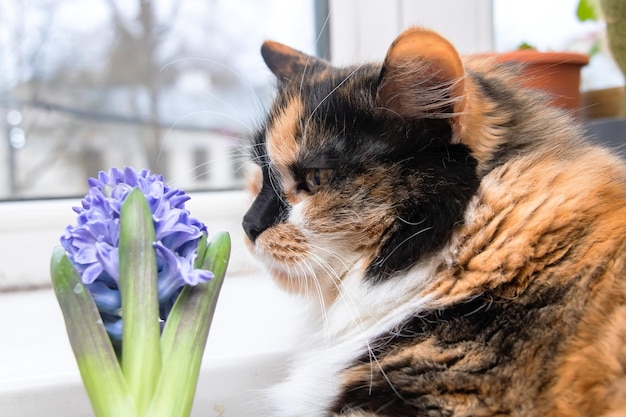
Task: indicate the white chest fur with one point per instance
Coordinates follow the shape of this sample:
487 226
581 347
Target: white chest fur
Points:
359 314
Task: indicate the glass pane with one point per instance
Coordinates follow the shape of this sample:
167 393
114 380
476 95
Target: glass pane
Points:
173 86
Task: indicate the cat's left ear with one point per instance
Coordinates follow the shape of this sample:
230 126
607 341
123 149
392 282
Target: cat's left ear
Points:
289 64
423 76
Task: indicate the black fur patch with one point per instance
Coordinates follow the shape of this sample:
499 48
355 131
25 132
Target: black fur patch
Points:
269 206
497 333
435 178
448 180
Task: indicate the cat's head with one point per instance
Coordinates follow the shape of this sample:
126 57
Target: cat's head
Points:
360 169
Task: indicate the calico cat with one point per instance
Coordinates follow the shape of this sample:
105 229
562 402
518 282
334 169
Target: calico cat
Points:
463 241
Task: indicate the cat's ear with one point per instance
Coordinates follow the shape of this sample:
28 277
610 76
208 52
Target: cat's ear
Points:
422 75
289 64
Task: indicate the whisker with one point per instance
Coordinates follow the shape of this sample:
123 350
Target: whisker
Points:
182 118
331 93
383 260
234 159
219 64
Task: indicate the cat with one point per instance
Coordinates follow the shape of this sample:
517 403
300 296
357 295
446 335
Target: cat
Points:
460 242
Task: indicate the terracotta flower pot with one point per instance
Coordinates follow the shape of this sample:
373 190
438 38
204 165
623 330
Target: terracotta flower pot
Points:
555 72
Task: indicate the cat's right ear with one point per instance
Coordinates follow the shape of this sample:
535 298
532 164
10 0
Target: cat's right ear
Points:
423 75
289 64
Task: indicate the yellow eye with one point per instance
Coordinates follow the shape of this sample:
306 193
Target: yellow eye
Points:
316 178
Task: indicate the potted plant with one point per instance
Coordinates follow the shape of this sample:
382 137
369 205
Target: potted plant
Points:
137 282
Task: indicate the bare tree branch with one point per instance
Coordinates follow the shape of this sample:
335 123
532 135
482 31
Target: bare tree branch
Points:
107 117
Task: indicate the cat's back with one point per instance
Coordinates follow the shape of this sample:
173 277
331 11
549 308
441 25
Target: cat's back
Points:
547 231
546 183
545 180
567 231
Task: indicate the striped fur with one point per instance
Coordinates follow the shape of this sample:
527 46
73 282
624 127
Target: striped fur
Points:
461 243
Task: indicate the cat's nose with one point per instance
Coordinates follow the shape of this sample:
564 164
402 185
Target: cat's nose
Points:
266 211
250 227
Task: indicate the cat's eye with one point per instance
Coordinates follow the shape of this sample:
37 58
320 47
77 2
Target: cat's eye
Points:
316 178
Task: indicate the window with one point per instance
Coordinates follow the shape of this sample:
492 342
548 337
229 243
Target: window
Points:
160 84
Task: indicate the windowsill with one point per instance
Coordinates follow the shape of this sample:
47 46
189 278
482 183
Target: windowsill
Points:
253 330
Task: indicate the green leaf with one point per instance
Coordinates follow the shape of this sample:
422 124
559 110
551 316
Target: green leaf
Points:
526 46
587 10
99 369
141 349
200 251
185 335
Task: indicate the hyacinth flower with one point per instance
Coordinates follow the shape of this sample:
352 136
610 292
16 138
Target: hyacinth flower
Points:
137 283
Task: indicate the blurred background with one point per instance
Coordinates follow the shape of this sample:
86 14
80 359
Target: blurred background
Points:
178 86
172 85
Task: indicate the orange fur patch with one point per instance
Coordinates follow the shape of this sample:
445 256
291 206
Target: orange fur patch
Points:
522 213
254 180
480 124
282 146
285 243
287 247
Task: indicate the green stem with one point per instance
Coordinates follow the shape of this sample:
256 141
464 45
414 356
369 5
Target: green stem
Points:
99 369
185 335
141 352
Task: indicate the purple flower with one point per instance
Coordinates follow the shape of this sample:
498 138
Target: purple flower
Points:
92 245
